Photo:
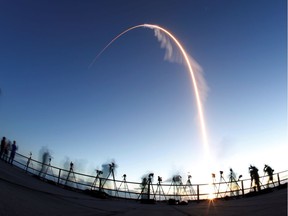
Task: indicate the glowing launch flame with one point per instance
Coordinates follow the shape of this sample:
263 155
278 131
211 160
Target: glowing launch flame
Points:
189 65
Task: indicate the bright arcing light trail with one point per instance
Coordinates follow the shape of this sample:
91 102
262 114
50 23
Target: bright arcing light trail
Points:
192 73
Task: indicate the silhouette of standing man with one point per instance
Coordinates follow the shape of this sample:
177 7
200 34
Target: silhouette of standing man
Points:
269 171
254 176
3 144
13 151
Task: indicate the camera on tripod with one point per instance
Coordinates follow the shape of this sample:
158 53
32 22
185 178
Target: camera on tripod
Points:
221 172
99 172
150 175
159 179
111 166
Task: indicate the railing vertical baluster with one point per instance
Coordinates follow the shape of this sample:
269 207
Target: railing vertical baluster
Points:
198 196
59 176
242 187
279 182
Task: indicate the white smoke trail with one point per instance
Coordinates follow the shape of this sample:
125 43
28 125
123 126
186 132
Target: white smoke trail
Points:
173 55
166 44
199 75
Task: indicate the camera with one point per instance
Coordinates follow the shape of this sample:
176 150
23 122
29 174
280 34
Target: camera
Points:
159 179
99 172
221 172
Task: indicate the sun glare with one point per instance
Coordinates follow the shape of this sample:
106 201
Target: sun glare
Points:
211 194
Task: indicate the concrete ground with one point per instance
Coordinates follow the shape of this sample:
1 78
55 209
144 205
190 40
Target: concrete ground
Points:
21 194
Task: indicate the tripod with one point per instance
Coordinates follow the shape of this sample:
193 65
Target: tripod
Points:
97 178
234 184
191 190
125 186
47 169
256 185
214 181
111 171
73 175
148 184
221 181
211 194
176 183
159 189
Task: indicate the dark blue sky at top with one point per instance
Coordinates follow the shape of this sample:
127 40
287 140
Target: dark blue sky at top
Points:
130 94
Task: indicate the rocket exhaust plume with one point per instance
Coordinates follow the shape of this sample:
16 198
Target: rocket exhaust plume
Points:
198 81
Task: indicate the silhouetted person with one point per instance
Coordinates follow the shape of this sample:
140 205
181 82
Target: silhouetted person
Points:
6 151
269 171
45 161
254 176
2 147
13 151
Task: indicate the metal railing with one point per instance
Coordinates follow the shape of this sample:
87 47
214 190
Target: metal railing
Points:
176 190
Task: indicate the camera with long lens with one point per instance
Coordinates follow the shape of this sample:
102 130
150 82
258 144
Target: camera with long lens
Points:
151 175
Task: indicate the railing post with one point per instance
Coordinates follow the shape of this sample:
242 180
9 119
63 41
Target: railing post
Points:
198 197
279 182
242 187
59 176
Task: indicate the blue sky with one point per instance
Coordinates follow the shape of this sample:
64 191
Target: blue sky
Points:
132 105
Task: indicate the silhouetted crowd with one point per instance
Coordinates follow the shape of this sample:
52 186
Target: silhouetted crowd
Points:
6 148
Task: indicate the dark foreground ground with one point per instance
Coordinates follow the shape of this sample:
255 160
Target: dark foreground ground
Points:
21 194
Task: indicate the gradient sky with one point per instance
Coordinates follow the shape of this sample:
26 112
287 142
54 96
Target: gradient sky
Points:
134 107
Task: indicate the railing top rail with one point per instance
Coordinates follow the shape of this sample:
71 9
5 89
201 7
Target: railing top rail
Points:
164 184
